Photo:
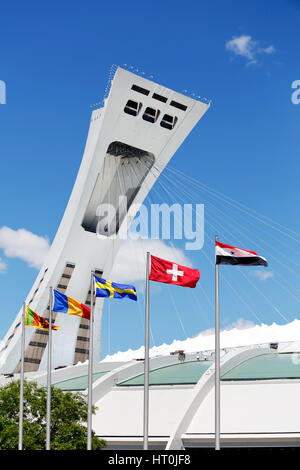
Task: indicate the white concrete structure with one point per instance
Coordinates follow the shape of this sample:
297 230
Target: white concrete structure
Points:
139 128
259 398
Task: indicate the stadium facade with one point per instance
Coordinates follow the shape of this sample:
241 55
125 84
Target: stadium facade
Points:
260 386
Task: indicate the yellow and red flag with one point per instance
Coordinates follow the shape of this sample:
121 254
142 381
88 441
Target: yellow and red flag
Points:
35 320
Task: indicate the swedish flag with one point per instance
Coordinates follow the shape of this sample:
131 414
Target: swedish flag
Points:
110 289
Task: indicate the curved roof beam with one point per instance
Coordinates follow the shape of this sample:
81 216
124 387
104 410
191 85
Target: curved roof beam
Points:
203 387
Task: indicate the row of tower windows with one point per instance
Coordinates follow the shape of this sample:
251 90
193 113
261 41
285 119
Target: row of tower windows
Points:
150 114
158 97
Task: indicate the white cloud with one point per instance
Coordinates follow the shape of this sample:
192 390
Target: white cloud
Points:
240 324
263 275
242 45
247 47
267 50
24 245
2 266
130 264
239 334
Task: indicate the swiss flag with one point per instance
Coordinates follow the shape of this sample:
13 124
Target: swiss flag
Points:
172 273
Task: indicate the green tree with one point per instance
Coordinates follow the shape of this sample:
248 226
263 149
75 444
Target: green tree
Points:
68 419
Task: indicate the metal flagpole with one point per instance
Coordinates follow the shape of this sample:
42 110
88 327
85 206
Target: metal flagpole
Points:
146 361
49 368
90 370
217 358
22 380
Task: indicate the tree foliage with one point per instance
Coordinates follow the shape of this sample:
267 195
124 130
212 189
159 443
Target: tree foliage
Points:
68 419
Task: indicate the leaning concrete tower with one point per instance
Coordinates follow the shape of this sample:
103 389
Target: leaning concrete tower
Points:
137 131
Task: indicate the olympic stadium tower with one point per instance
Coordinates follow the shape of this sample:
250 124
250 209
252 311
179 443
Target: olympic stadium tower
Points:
130 141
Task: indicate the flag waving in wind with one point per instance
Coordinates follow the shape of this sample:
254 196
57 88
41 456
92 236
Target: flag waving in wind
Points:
172 273
161 270
110 289
64 304
226 254
35 320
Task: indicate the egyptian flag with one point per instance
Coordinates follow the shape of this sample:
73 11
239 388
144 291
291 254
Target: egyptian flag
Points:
226 254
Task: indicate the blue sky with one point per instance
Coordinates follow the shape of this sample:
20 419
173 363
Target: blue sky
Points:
55 59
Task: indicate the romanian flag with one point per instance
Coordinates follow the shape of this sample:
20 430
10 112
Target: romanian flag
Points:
33 319
64 304
111 289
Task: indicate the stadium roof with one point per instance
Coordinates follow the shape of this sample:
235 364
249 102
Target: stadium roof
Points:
260 390
79 383
182 373
267 366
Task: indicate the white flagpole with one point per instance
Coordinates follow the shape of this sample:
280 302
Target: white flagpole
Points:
146 361
49 367
217 358
22 380
90 370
